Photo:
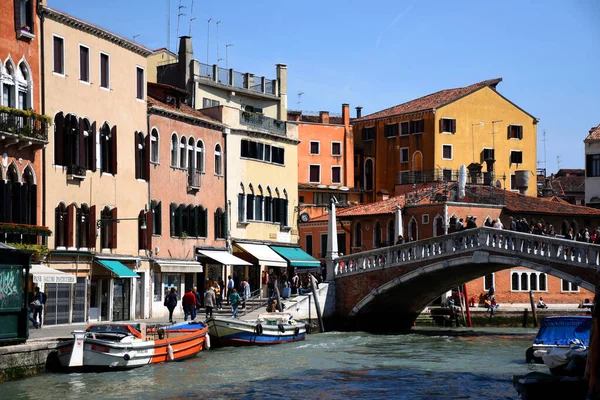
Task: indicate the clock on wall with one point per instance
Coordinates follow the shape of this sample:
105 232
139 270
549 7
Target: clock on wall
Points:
304 217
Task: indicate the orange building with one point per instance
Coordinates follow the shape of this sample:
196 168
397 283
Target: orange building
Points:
325 169
423 214
23 131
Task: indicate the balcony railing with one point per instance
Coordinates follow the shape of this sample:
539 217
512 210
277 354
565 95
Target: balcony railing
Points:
237 79
260 121
24 123
443 175
194 178
76 172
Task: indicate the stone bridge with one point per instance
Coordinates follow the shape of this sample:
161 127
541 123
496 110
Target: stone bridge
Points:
385 289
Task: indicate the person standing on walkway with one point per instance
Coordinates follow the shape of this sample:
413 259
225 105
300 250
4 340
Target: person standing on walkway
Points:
230 286
235 302
245 294
189 305
218 297
209 301
198 299
39 298
171 302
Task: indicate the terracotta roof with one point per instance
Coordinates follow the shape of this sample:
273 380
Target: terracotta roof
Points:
184 110
594 134
378 208
431 101
319 186
568 184
519 203
570 171
170 87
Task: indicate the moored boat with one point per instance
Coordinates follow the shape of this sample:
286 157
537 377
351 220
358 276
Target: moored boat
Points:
268 328
559 332
125 346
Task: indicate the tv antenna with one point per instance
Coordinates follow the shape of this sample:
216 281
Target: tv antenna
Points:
299 97
179 15
168 24
208 40
218 59
558 162
544 141
191 18
135 36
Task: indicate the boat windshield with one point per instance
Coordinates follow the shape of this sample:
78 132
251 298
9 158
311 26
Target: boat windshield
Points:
562 331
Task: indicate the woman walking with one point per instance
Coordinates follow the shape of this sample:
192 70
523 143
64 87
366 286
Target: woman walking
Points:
171 302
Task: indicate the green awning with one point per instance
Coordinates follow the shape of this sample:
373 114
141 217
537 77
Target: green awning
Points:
296 256
118 268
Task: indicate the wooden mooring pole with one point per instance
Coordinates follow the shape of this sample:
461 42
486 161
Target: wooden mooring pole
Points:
535 321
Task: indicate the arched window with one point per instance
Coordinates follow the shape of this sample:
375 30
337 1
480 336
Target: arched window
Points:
202 218
173 217
218 157
391 233
108 229
184 213
174 150
8 84
368 174
12 196
85 228
182 152
190 154
59 124
269 205
154 146
105 148
413 230
258 204
452 223
141 163
242 204
357 235
29 197
377 235
438 226
250 203
24 86
277 210
88 135
71 142
284 206
61 225
220 224
156 207
199 156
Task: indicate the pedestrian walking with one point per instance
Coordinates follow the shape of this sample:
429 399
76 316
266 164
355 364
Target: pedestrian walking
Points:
189 305
39 299
171 302
235 302
198 298
210 301
218 297
245 294
295 283
230 286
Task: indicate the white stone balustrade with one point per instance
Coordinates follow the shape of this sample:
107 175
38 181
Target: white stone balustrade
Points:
535 248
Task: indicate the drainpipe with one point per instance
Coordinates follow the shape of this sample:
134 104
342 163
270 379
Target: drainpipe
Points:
446 221
43 111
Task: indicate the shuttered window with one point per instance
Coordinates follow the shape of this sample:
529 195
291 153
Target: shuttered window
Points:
59 55
516 157
139 75
104 71
447 125
84 64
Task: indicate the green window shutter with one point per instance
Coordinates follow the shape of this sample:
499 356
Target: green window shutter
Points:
224 225
172 210
205 223
195 216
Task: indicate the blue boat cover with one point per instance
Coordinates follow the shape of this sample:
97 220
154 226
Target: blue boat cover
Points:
561 330
193 325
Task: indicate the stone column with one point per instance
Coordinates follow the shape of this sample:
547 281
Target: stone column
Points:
332 244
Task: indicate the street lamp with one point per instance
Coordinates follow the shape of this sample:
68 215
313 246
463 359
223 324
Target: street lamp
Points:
473 137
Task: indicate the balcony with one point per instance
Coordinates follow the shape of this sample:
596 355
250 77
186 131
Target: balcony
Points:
237 80
75 172
259 121
22 234
24 124
194 179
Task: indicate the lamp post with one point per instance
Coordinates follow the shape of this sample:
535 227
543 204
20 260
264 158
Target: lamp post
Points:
473 137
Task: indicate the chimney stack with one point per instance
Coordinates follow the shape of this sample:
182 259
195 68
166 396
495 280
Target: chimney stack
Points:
186 75
324 117
358 112
346 114
522 181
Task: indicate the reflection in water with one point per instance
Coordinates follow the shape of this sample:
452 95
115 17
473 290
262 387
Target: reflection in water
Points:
327 366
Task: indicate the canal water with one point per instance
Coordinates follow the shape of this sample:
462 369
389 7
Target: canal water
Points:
331 365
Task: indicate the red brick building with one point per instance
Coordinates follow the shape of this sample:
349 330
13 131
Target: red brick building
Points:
423 214
24 131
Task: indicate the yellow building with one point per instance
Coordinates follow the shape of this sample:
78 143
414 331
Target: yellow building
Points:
429 138
96 194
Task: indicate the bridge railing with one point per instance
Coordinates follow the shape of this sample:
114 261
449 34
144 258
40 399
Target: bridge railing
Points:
513 243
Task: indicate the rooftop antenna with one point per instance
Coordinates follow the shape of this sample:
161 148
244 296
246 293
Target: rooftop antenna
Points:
208 40
299 98
168 24
218 59
134 36
191 18
227 46
558 161
544 140
179 15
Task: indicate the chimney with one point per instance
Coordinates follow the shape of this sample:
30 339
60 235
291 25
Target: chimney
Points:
346 114
358 112
383 195
294 116
282 80
522 181
324 117
186 56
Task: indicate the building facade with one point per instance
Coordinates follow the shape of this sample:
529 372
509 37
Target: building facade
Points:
429 138
23 129
95 199
592 168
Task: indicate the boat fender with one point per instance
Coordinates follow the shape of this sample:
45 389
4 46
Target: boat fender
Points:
307 327
296 331
206 342
161 333
126 357
258 329
281 328
170 352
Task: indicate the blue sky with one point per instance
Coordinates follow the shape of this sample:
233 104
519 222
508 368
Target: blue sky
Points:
378 53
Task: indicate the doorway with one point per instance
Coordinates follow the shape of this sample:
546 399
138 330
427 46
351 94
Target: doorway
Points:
139 296
121 300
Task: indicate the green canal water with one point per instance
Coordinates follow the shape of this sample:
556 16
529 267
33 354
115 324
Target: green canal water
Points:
331 365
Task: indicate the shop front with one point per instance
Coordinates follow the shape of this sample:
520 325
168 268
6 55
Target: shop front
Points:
266 265
169 273
112 288
221 263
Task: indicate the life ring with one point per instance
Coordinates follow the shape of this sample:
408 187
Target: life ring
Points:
258 329
296 331
281 328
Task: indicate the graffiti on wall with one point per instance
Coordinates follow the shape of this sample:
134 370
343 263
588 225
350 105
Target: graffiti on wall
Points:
10 286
